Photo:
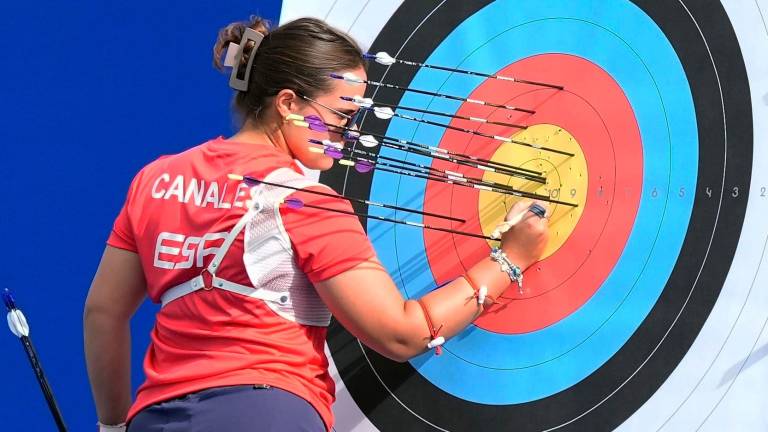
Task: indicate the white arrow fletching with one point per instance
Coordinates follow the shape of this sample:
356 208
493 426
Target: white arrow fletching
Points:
384 113
18 323
368 141
362 102
384 58
352 78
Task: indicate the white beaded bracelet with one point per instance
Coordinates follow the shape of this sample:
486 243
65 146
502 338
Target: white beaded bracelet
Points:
514 272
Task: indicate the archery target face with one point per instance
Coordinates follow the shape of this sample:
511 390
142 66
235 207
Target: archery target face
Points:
660 173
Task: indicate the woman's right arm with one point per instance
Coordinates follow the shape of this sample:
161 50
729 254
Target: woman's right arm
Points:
116 292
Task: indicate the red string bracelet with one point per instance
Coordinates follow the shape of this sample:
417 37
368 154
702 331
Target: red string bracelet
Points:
481 294
437 341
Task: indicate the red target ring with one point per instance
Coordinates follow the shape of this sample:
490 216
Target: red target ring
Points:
595 111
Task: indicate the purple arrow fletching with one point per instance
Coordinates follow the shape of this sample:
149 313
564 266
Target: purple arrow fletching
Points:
334 152
294 203
317 127
251 180
363 166
350 135
313 119
328 150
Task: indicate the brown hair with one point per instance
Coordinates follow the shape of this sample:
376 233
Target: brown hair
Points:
299 55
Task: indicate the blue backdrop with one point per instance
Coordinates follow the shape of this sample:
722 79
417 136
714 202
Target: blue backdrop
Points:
90 93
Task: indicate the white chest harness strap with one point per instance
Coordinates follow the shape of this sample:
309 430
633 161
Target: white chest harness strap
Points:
199 282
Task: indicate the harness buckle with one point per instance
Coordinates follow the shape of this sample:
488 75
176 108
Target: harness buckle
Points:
207 281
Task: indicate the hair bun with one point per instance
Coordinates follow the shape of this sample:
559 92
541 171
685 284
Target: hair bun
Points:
234 33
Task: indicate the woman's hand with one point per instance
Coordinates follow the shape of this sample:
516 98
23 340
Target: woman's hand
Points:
525 241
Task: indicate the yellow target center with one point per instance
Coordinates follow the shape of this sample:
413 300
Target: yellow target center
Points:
566 180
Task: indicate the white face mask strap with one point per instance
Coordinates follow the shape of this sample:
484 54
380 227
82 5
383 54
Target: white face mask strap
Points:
238 80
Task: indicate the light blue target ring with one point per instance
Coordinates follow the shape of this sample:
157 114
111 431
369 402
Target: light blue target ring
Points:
491 368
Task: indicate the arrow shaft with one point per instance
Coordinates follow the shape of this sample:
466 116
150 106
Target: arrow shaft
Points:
439 155
387 60
458 116
359 200
45 386
487 165
415 167
480 74
435 94
479 163
510 191
478 133
401 222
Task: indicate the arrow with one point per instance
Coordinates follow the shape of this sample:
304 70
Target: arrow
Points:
383 58
354 79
